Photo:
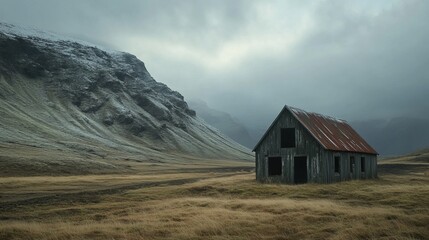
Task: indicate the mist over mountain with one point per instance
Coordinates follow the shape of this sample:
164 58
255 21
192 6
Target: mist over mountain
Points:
60 93
395 136
223 121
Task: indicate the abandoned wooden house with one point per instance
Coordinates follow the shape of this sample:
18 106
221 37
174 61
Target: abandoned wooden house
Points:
301 147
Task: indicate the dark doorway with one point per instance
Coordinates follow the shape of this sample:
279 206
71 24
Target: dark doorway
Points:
300 169
274 166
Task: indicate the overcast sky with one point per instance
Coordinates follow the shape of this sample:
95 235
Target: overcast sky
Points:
354 60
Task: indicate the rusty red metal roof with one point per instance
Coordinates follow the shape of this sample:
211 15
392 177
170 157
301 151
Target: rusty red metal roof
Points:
333 134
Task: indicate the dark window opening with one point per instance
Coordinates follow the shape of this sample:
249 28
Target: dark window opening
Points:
274 166
300 169
287 138
362 164
337 164
352 164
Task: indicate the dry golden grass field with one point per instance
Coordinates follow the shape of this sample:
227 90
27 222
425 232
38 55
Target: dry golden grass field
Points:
217 203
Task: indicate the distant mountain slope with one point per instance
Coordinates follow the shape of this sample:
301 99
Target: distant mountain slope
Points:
224 122
396 136
61 93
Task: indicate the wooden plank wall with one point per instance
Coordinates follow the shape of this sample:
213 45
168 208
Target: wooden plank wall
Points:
306 145
345 173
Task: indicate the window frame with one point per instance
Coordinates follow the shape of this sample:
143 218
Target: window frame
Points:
285 135
337 167
362 164
269 173
352 164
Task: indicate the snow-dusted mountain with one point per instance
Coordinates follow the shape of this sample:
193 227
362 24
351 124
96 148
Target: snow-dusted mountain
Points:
61 93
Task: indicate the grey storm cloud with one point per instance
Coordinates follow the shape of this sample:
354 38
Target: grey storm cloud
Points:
356 60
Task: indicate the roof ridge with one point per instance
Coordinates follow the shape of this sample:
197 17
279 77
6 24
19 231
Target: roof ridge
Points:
315 113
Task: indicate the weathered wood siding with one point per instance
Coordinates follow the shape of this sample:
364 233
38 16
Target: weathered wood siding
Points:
345 172
306 145
320 162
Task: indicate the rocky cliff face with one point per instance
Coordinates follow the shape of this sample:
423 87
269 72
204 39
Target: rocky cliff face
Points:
55 90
